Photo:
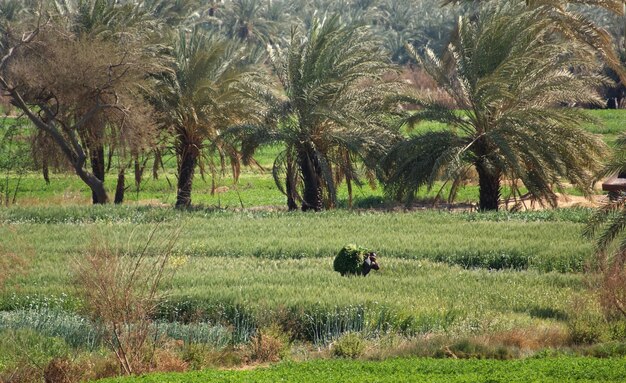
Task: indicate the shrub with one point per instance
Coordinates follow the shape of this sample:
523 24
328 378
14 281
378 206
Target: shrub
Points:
613 290
165 360
607 350
350 345
586 329
120 291
270 344
23 373
350 260
27 345
62 370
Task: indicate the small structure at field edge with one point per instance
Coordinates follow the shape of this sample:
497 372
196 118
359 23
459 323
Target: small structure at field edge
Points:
616 186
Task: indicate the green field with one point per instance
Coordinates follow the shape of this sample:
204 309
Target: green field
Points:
448 273
490 285
559 370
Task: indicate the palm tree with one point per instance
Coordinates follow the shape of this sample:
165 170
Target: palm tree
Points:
508 74
419 24
204 93
259 21
606 227
572 23
333 114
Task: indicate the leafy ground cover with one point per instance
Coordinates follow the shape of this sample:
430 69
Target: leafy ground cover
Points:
413 370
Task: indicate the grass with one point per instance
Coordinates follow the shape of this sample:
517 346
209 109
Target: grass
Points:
551 245
439 270
407 296
611 124
412 370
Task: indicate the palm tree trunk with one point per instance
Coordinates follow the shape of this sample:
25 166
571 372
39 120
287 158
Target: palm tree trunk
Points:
312 198
45 168
188 160
290 186
489 188
291 182
96 157
120 188
349 183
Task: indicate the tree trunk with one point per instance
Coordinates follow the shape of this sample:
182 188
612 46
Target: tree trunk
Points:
138 172
71 148
489 188
96 157
45 168
312 198
290 186
110 157
349 183
98 191
120 188
186 170
155 164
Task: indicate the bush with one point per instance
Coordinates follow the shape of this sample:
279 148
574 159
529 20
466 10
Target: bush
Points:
270 344
120 291
62 370
350 345
350 260
586 329
28 346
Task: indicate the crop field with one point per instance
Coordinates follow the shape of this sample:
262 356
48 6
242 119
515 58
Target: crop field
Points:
452 284
439 269
559 370
312 191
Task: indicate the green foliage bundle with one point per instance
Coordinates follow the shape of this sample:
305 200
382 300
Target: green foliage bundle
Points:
350 260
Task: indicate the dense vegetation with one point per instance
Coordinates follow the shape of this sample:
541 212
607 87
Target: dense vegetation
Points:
239 273
255 187
254 109
410 370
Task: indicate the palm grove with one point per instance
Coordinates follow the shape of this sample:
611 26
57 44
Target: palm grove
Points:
114 85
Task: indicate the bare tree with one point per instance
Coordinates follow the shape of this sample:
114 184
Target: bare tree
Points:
120 291
68 85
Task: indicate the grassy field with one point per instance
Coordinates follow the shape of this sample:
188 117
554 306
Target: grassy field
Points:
510 284
559 370
611 123
439 270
